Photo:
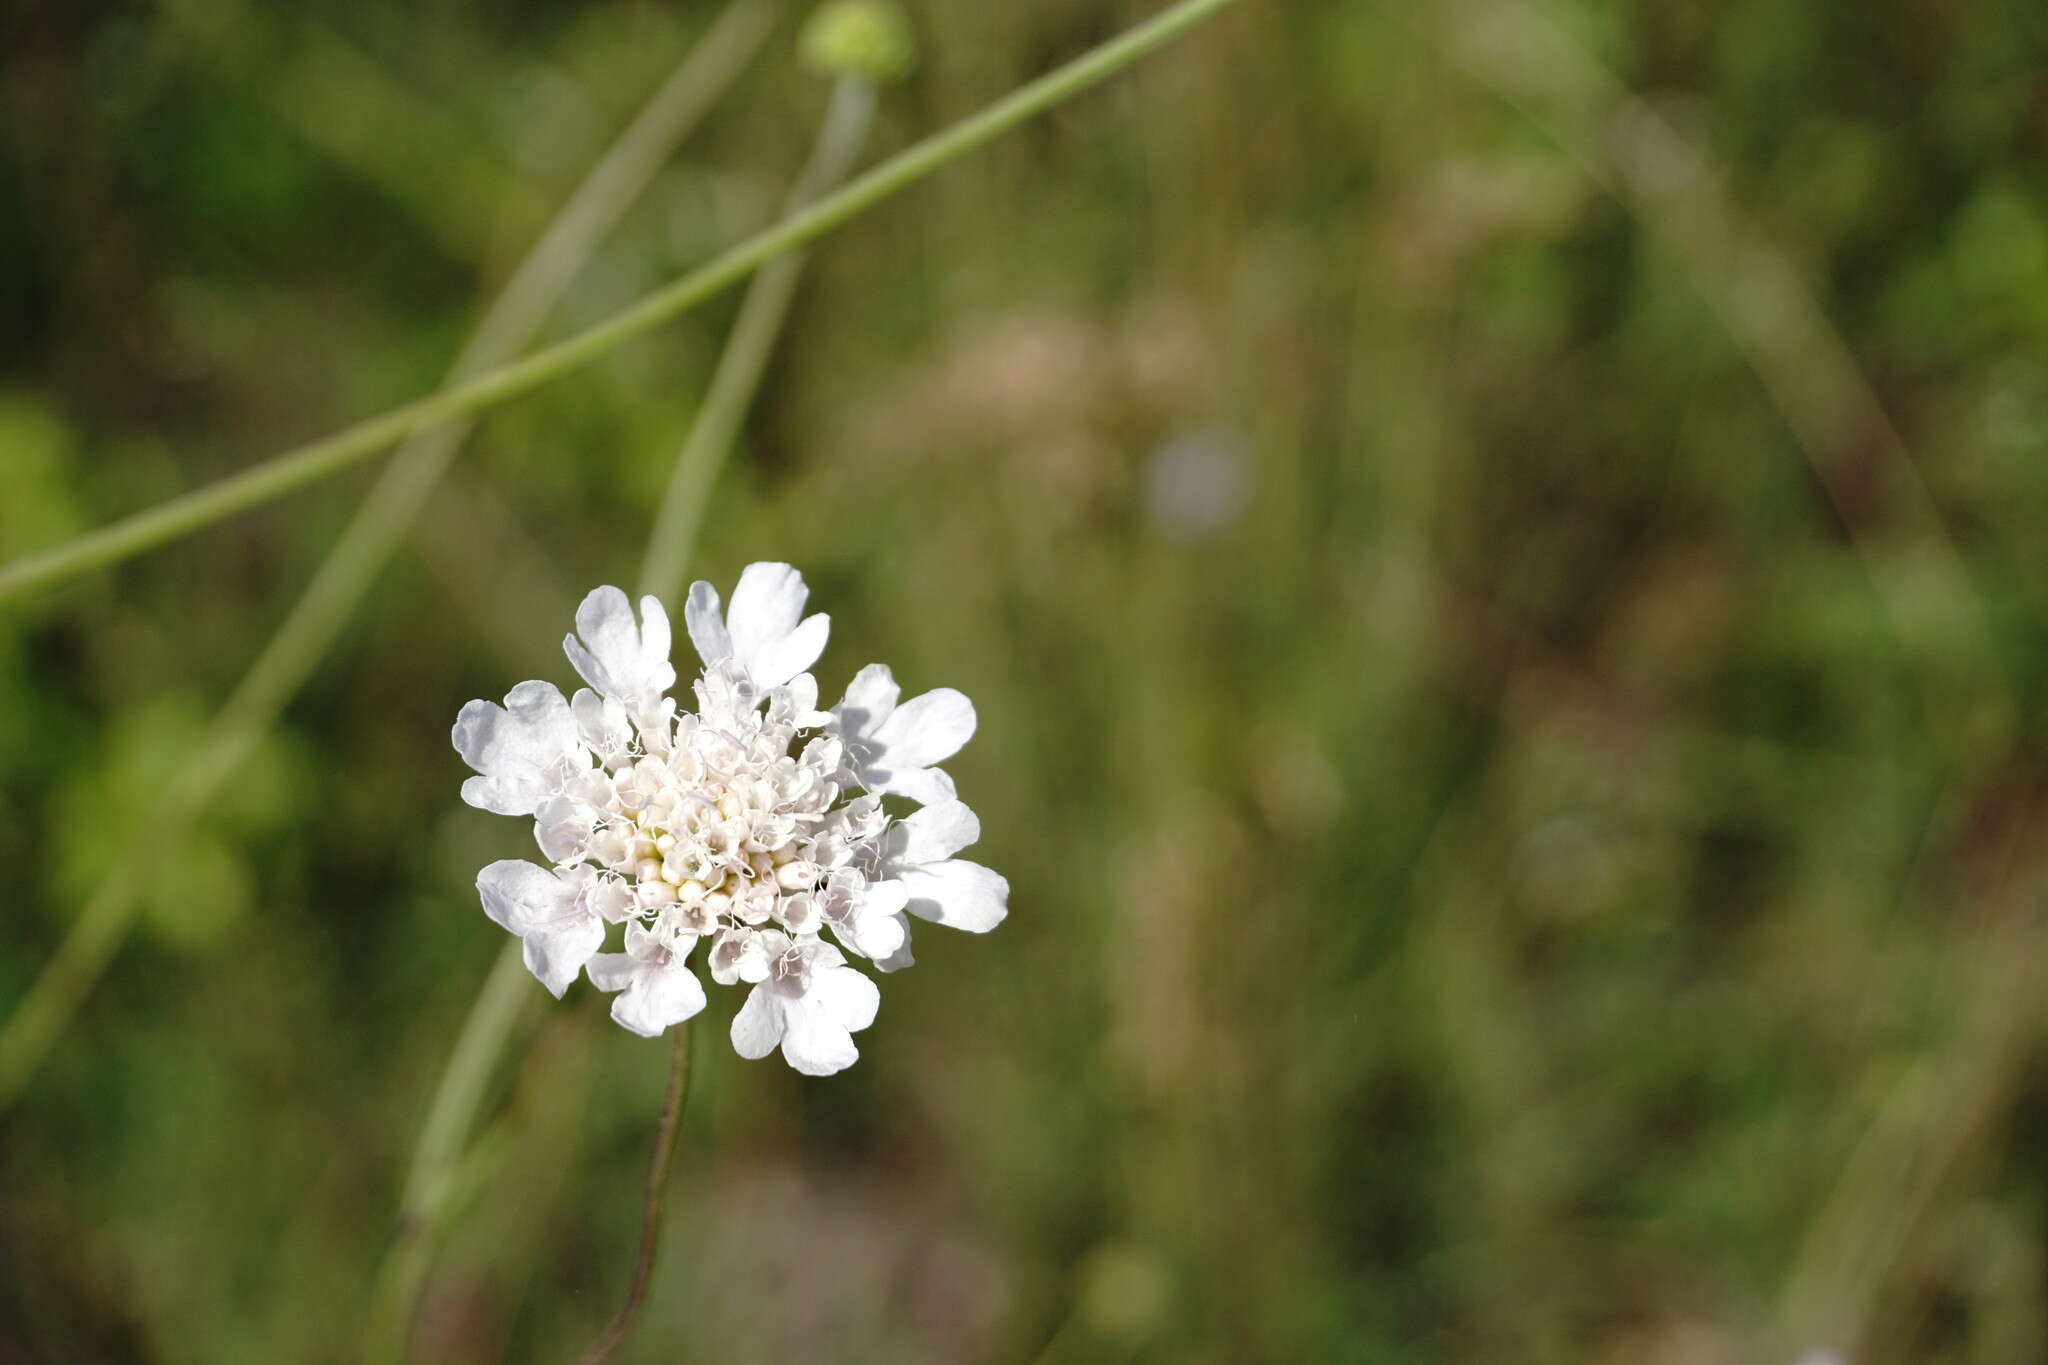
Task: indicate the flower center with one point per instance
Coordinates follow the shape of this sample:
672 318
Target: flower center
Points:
721 827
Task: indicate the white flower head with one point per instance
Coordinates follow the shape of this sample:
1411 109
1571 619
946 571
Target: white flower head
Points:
755 821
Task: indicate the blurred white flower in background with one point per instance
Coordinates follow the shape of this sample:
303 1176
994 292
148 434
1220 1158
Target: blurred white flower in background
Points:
756 821
1197 485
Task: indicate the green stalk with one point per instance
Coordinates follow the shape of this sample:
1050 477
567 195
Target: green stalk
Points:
746 353
304 464
621 1326
301 641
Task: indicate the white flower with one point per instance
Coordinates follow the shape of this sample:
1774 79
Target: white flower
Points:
1198 486
756 822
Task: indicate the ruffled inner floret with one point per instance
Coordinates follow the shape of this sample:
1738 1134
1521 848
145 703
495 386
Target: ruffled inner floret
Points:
715 823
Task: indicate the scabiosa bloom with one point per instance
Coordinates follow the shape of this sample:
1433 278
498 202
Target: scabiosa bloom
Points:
756 822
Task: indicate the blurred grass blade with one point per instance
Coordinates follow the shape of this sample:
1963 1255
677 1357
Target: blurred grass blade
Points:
1529 59
300 642
315 460
339 99
431 1185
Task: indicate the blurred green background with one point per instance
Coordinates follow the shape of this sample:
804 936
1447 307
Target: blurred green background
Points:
1501 552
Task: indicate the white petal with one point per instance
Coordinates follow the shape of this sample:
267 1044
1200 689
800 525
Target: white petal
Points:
547 913
766 606
885 898
616 656
770 638
611 899
601 724
740 955
881 936
957 894
706 625
521 897
646 948
520 748
799 914
926 786
489 793
819 955
657 725
658 999
757 1028
610 638
562 828
656 639
901 958
816 1045
611 971
556 954
783 658
803 699
926 730
869 700
848 998
937 831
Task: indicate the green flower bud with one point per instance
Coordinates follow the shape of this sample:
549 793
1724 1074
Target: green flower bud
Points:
866 38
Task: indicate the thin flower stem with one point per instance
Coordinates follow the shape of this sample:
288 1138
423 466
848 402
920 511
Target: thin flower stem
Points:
315 460
746 353
305 635
650 1203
